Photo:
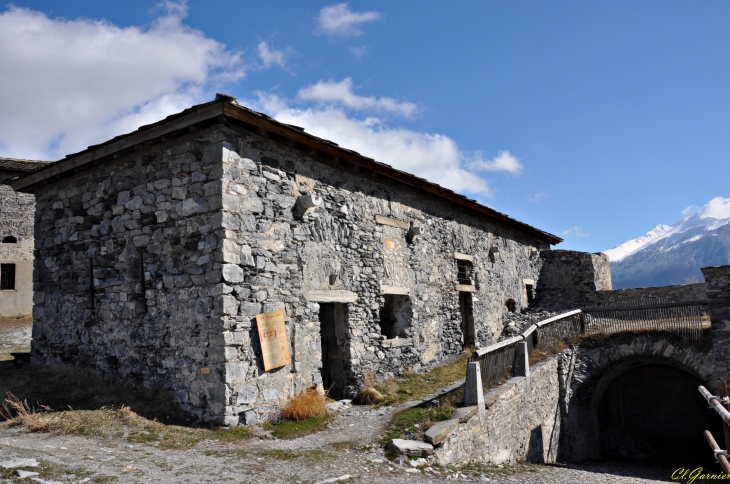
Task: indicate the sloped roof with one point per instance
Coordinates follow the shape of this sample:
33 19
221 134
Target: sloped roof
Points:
15 164
225 109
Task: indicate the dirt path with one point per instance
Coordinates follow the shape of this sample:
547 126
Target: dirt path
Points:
72 459
349 447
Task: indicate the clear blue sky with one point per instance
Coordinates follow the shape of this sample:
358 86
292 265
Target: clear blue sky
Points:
614 114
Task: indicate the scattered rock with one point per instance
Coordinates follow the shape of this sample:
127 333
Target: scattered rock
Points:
23 474
409 447
13 463
335 479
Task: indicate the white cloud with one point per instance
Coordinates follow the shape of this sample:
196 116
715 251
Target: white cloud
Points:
435 157
359 52
333 92
270 56
67 84
718 207
504 161
577 232
536 198
691 210
341 21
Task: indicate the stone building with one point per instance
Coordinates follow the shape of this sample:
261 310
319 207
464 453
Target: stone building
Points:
157 249
16 240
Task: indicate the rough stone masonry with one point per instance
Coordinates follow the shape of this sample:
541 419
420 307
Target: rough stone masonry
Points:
156 250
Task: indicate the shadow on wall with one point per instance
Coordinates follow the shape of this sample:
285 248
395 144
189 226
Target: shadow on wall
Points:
643 406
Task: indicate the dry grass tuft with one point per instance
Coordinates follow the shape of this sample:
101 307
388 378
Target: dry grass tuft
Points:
308 404
368 396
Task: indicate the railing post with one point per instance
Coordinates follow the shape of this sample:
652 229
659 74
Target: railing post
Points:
522 364
473 391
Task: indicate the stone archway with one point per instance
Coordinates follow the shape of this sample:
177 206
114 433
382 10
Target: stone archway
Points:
594 375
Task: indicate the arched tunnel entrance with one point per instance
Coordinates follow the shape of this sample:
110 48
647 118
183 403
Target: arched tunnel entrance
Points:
653 413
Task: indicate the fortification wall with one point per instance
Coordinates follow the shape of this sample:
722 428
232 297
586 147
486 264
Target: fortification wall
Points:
678 293
127 273
567 277
518 426
717 283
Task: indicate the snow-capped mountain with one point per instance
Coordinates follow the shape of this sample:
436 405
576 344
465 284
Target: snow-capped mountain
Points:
674 254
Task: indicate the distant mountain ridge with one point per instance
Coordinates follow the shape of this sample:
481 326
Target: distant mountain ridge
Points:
674 254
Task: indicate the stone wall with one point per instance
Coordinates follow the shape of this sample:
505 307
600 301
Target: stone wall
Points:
570 280
559 419
152 267
16 220
567 277
678 293
717 283
359 234
146 227
517 427
587 371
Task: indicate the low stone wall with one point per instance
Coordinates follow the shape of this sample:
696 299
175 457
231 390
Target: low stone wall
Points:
517 426
678 293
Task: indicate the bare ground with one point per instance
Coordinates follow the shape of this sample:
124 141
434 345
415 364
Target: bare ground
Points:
14 335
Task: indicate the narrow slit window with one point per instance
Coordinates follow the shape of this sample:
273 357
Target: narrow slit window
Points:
10 240
465 272
7 277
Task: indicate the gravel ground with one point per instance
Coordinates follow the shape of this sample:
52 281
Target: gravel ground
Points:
347 448
14 335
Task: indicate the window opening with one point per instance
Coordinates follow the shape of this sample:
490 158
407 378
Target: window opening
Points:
465 274
510 305
10 240
7 277
395 316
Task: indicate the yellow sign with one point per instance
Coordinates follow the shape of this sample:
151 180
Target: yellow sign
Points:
272 335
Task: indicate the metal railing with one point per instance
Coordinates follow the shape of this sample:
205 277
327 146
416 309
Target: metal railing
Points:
689 319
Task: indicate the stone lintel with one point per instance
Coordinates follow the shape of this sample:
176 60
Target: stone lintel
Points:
396 342
528 281
460 256
330 296
392 222
401 290
465 288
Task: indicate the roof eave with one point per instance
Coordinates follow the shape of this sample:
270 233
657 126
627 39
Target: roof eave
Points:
226 109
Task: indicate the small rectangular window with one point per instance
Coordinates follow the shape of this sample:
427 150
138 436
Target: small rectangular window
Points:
465 274
395 316
7 277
